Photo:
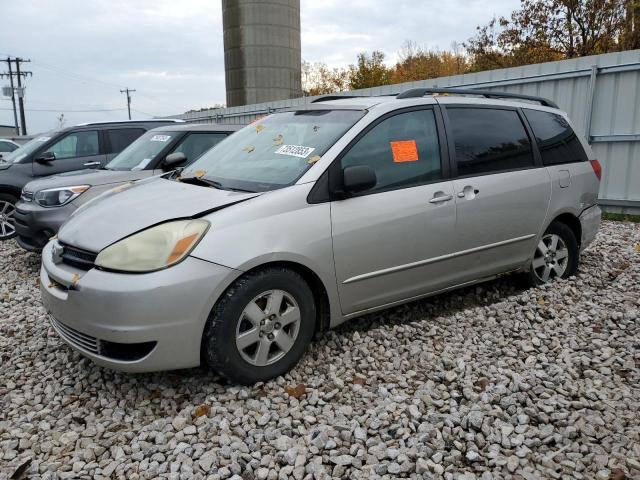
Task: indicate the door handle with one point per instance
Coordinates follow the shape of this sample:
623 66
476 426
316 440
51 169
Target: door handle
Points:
91 164
468 192
441 198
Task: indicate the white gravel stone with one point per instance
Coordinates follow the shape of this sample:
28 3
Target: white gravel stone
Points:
491 381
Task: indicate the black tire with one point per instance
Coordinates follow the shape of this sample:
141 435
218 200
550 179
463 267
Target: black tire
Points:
219 349
6 198
566 234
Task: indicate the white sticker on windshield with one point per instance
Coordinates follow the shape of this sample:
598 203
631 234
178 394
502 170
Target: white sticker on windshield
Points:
142 164
42 139
295 150
160 138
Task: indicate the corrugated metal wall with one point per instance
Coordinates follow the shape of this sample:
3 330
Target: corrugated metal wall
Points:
600 93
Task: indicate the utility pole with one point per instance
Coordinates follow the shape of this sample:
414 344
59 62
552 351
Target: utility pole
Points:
128 91
20 90
23 121
13 97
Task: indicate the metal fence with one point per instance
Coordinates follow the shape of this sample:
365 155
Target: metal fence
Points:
601 93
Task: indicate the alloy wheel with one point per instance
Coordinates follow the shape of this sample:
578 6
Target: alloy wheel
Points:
268 327
7 228
551 258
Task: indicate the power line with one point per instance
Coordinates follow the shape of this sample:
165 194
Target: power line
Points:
58 110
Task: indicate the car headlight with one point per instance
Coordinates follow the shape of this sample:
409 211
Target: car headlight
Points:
155 248
57 197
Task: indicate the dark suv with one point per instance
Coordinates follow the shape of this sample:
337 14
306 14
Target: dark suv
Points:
88 145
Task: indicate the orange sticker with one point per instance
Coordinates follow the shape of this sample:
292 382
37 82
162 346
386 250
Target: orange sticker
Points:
404 151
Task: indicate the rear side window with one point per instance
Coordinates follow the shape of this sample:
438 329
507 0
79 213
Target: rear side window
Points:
556 140
403 150
121 138
195 144
489 140
77 144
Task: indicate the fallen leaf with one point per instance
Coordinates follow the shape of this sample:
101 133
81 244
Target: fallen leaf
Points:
481 383
259 128
20 472
154 394
51 285
314 159
199 173
295 392
637 247
53 238
75 279
201 410
249 148
278 140
359 381
541 301
617 474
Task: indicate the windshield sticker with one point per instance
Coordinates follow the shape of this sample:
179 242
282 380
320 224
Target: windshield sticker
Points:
404 151
160 138
142 164
43 139
249 148
295 151
314 159
279 140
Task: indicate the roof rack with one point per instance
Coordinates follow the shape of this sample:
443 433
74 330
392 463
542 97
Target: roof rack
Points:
326 98
420 92
149 120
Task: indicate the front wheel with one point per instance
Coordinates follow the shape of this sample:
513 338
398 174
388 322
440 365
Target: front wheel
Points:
7 210
556 256
260 327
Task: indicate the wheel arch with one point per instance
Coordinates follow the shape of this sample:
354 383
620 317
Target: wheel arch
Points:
11 190
571 221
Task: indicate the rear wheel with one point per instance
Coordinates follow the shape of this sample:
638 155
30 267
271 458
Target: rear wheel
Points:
556 255
261 326
7 211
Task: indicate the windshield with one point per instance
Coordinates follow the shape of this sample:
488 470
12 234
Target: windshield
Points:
274 151
28 148
141 152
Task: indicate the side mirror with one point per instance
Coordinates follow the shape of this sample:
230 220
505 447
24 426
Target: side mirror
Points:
358 178
46 157
173 159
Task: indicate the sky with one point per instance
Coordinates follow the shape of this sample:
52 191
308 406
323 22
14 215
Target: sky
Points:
171 51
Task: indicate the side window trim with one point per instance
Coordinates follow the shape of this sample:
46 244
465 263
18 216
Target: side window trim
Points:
537 156
452 147
335 167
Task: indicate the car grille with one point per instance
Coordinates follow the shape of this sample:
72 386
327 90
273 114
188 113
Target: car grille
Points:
74 337
26 196
78 258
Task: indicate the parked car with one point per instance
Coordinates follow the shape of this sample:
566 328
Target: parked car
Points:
314 216
88 145
7 146
47 203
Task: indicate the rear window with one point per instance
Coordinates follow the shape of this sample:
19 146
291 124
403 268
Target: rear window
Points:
557 142
489 140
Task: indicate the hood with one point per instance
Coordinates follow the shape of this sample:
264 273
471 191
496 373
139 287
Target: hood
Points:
86 177
140 206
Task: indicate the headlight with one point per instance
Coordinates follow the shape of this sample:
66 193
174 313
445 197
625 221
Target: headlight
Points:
56 197
155 248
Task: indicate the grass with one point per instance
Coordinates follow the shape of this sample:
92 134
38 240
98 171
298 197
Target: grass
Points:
621 217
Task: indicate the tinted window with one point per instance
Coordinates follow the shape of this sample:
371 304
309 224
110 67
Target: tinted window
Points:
78 144
7 147
488 140
556 140
403 150
195 144
121 138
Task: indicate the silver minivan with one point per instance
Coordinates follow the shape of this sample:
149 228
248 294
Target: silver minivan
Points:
313 216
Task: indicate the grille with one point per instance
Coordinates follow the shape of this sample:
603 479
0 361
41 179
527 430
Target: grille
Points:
78 258
74 337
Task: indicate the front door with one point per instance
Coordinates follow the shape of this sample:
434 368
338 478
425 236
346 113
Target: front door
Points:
501 192
391 243
75 151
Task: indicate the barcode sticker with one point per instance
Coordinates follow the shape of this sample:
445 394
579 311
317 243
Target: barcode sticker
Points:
295 151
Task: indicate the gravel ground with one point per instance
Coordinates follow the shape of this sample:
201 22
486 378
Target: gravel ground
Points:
487 382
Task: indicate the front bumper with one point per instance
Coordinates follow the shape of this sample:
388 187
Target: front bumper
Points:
156 318
36 224
590 223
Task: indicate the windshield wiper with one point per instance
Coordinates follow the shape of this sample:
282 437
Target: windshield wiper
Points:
212 183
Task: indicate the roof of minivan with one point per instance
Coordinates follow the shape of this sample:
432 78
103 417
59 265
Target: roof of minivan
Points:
199 127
